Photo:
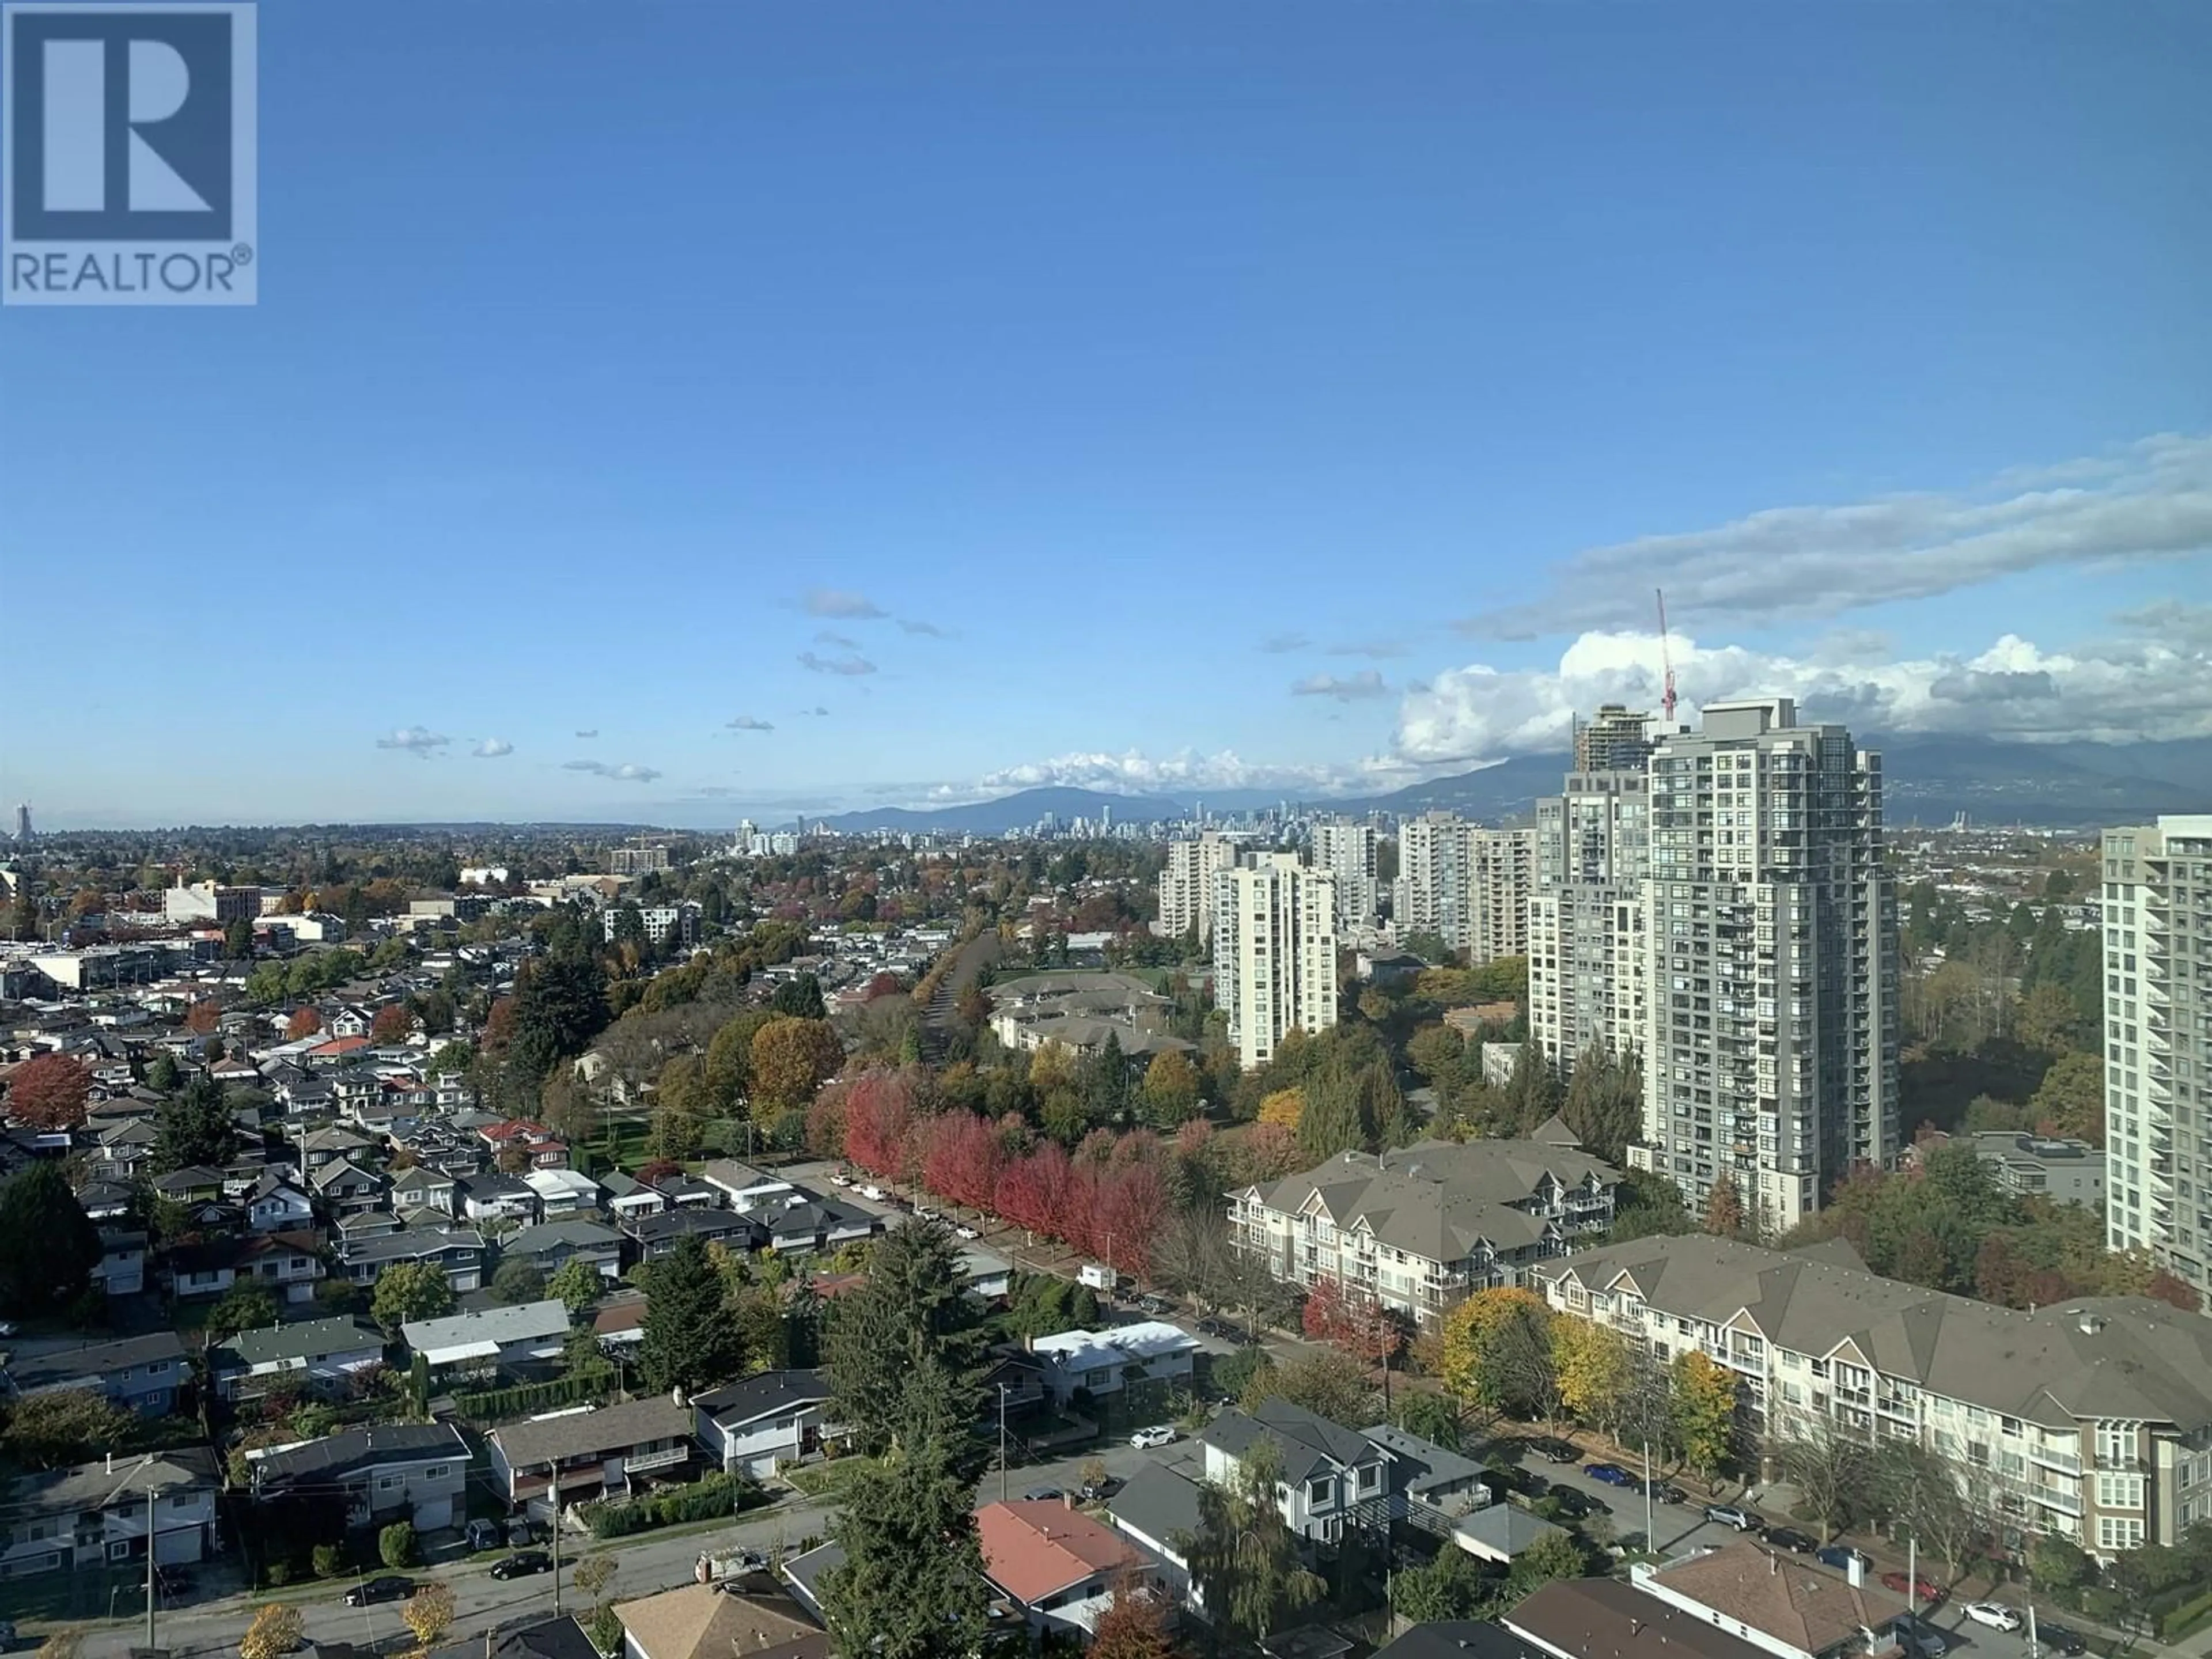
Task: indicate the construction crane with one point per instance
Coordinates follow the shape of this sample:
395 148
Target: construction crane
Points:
1666 662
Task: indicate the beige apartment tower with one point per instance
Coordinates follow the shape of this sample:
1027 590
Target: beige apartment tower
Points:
2157 904
1274 953
1467 883
1769 927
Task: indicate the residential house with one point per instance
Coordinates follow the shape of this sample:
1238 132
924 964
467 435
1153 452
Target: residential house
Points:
1159 1509
458 1250
2091 1418
557 1637
122 1269
708 1621
1105 1362
195 1185
584 1455
1582 1617
287 1264
1332 1478
551 1245
416 1472
331 1144
1056 1563
344 1189
989 1276
122 1151
562 1192
763 1423
657 1235
629 1199
1418 1229
619 1326
275 1203
1457 1639
320 1356
1426 1484
539 1145
686 1191
814 1225
347 1231
495 1197
741 1186
488 1340
100 1514
143 1374
1788 1608
424 1187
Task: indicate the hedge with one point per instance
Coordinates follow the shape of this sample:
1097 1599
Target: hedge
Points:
497 1405
707 1499
2178 1622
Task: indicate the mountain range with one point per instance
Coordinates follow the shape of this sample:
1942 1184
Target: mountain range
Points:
1927 781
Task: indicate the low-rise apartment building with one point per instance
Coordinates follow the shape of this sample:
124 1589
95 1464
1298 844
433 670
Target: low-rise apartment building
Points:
2091 1418
1418 1229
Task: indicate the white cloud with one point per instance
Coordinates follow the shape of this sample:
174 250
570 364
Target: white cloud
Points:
1280 644
2141 684
416 740
1345 689
492 748
850 663
749 723
838 603
1185 773
628 772
2152 501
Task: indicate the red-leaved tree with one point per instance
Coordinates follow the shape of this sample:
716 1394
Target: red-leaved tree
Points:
49 1091
304 1023
1133 1204
879 1121
393 1024
960 1159
1352 1323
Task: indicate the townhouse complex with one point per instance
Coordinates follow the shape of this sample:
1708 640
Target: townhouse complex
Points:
1417 1229
2090 1419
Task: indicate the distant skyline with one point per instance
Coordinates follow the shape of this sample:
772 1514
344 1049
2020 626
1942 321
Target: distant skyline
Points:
662 409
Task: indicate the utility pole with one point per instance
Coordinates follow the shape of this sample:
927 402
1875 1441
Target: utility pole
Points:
150 1543
1912 1572
1002 1443
1650 1544
556 1544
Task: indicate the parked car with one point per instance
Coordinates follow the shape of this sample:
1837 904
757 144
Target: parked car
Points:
873 1192
1512 1477
1664 1492
1556 1451
2061 1640
1154 1305
1840 1556
1996 1615
1923 1640
1221 1330
1160 1434
1727 1515
1042 1495
1612 1475
1094 1492
483 1535
522 1564
1574 1503
389 1588
841 1179
963 1230
1919 1589
1788 1538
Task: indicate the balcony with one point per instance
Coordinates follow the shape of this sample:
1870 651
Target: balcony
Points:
666 1457
2065 1462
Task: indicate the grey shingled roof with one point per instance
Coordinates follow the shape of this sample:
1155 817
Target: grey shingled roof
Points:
350 1450
2136 1358
1309 1443
656 1417
304 1340
1439 1199
1158 1503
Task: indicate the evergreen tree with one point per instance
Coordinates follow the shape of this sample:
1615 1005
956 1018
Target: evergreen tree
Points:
909 1588
800 998
47 1248
1330 1123
195 1129
904 1352
690 1341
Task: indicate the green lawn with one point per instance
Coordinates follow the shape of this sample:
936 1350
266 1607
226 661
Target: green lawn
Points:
828 1479
87 1593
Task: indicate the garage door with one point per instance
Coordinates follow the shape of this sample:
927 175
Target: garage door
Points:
433 1513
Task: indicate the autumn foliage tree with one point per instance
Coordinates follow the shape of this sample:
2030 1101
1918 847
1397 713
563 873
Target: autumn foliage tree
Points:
1354 1324
201 1017
878 1120
792 1058
391 1024
304 1023
49 1091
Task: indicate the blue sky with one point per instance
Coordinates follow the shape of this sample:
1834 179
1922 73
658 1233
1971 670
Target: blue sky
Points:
1304 396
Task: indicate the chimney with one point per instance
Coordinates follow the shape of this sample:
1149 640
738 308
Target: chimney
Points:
2090 1323
111 1462
1068 1499
677 1395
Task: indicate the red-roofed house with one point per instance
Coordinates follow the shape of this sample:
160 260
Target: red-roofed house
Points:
1057 1562
338 1047
546 1151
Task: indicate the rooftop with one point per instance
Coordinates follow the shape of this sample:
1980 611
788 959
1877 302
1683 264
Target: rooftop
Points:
1605 1619
1794 1600
1083 1351
336 1456
486 1332
1309 1442
94 1485
309 1338
577 1434
704 1622
1032 1550
763 1395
